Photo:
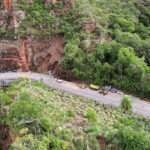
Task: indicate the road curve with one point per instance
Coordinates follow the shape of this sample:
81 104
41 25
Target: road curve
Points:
113 99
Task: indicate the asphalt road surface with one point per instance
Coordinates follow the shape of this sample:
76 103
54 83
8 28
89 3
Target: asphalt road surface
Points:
140 107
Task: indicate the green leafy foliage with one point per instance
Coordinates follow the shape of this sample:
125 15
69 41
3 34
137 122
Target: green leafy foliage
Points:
114 62
126 105
108 64
24 113
130 139
38 21
91 115
42 118
128 135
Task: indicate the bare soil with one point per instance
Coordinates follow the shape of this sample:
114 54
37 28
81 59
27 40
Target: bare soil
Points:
5 137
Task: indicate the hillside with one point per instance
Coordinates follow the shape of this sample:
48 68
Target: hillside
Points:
101 45
34 117
103 42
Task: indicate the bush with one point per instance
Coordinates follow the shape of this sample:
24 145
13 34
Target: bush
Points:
145 85
25 113
122 23
91 115
128 39
5 101
40 119
131 139
126 105
145 50
127 134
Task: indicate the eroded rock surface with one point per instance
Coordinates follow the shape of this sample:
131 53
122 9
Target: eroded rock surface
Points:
29 54
46 54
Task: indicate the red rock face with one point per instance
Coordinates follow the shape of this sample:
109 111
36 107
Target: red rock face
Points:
46 54
8 55
23 55
35 55
7 5
13 56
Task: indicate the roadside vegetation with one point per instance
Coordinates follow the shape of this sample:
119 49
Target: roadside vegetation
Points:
114 50
40 118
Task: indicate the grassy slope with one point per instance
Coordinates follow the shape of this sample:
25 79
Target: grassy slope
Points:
42 118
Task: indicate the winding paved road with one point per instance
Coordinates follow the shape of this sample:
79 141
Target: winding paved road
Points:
113 99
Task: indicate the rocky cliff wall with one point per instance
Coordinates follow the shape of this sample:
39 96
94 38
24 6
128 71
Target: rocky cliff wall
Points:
30 54
26 53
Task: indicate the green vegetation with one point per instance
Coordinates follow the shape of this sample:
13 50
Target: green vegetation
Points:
107 42
38 21
44 119
115 52
128 136
113 61
126 105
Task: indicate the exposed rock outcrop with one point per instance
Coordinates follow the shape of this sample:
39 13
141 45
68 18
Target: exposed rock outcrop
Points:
7 5
36 55
45 54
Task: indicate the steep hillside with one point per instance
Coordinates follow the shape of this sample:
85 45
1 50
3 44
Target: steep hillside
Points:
104 42
34 117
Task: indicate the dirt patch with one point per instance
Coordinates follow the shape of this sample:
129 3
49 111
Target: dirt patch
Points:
5 137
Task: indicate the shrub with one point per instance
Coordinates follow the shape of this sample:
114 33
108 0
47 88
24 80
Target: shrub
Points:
91 115
129 39
4 99
38 21
126 105
131 139
145 85
122 23
25 113
40 118
128 134
145 50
